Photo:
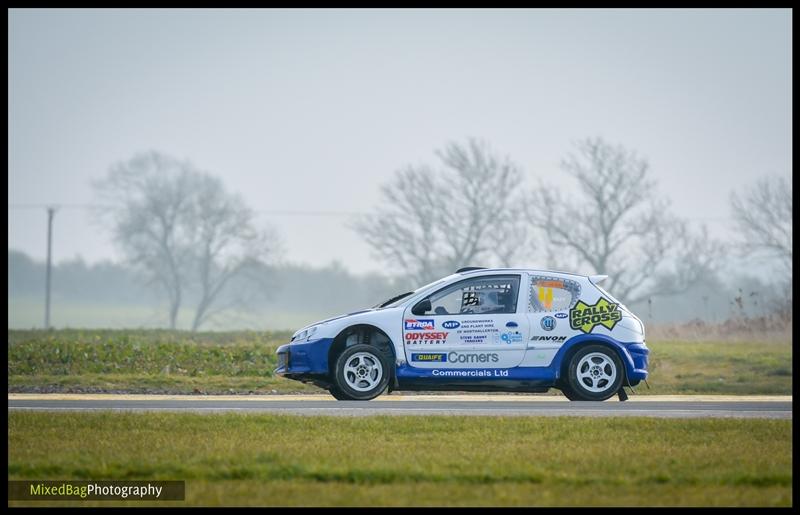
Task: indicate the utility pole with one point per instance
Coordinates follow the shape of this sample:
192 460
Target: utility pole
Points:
50 212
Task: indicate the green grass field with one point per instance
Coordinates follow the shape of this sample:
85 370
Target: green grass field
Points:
160 361
26 312
730 368
147 361
241 459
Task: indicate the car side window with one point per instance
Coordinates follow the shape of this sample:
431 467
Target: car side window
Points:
481 295
552 294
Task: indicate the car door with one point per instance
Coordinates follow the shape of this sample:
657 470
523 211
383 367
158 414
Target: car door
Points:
476 323
549 299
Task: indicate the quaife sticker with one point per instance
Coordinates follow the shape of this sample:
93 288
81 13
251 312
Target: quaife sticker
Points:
584 317
437 356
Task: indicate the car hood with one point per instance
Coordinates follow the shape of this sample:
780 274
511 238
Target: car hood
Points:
336 318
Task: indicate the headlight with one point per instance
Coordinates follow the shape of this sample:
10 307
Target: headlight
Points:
304 334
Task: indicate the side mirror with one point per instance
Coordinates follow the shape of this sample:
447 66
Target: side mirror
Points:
422 307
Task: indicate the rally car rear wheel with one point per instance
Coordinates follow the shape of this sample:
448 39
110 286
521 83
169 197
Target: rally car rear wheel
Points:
595 374
569 394
361 373
337 394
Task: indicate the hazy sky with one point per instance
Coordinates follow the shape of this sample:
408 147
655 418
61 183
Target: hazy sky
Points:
313 110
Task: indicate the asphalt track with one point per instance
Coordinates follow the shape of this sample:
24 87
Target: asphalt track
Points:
779 407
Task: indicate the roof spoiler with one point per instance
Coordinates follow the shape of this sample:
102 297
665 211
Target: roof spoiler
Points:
597 279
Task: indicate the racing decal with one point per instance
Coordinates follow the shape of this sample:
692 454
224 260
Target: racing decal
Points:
457 357
426 324
469 373
426 338
546 292
511 337
548 323
451 324
550 294
473 332
548 338
584 317
538 372
472 339
473 357
438 356
546 296
550 284
561 315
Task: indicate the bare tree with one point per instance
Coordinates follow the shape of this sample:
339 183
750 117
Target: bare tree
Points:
182 231
147 198
763 218
618 226
429 222
227 245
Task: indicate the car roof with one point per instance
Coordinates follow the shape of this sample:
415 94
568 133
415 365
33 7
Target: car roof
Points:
531 270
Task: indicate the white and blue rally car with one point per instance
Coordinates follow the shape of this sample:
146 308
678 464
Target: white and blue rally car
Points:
479 329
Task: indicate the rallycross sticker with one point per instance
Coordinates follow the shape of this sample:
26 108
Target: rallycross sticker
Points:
585 317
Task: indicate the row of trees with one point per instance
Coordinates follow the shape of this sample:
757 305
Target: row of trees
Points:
475 209
109 294
183 231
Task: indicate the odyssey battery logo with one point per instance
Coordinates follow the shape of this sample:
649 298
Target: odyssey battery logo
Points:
419 324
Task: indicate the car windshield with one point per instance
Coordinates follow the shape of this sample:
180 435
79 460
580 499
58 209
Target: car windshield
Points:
394 301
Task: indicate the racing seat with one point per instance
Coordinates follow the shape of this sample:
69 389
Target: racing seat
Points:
506 300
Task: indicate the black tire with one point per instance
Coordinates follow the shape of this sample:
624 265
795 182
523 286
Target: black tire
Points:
337 394
601 376
345 377
569 394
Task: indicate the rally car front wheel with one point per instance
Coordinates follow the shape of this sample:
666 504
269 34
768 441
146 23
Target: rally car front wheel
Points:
595 374
361 373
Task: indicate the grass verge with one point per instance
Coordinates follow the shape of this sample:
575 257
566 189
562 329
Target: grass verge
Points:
262 459
159 361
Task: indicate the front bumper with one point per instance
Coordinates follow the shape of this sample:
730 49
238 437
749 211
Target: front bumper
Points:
303 359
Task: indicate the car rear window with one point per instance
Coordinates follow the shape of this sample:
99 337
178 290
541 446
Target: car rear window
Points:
552 294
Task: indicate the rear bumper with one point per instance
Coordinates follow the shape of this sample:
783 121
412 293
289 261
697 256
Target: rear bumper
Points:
304 359
640 356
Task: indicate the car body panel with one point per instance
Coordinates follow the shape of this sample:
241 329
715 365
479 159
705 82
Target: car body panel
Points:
556 312
467 341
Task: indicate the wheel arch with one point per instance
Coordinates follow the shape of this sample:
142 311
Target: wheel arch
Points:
362 333
576 343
